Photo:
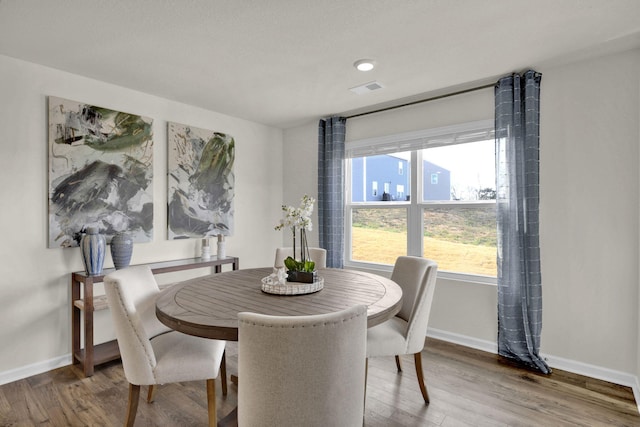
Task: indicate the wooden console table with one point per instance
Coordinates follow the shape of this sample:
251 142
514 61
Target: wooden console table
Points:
91 355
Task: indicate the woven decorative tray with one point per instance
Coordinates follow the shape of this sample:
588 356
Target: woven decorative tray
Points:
292 288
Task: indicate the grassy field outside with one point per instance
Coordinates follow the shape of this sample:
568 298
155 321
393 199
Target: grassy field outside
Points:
462 242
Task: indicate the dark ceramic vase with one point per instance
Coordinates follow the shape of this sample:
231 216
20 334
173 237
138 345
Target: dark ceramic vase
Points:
93 246
121 250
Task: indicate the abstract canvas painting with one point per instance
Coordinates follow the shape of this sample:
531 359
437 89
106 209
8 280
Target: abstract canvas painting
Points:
100 172
201 182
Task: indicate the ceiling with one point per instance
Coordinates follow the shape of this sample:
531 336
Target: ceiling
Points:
285 63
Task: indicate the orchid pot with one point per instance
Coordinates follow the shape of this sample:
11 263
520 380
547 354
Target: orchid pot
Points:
302 276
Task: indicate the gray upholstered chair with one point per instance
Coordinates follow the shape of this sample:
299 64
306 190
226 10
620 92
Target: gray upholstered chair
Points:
152 353
317 255
303 370
405 333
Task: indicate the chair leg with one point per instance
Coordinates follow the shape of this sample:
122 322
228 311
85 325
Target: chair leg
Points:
420 375
211 402
223 372
132 404
151 393
398 363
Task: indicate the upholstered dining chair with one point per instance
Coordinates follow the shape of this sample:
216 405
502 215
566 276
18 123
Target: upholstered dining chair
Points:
302 370
317 255
151 353
405 333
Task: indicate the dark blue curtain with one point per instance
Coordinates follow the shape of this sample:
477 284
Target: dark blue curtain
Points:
517 115
331 135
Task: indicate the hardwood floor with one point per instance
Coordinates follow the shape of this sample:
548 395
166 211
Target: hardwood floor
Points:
467 388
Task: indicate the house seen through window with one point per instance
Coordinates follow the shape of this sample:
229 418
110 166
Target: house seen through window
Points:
438 201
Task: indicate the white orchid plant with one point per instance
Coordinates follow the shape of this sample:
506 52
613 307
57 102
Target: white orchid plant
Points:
299 220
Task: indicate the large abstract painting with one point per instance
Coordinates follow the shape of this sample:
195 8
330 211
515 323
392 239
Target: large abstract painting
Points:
201 182
100 172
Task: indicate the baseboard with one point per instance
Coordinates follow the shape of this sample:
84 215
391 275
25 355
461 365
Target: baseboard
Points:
467 341
592 371
34 369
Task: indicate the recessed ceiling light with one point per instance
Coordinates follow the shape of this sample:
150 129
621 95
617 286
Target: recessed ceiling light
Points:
364 64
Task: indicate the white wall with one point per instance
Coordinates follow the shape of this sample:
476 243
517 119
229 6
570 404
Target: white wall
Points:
637 384
35 314
300 172
589 210
590 197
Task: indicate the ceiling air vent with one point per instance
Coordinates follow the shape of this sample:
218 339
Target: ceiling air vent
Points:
366 88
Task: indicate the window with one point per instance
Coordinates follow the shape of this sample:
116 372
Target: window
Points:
380 234
442 207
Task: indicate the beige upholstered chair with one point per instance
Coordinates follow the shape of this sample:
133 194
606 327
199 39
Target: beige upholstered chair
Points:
302 370
152 353
318 255
405 333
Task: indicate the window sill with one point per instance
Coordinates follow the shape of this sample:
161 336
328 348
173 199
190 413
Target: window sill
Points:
468 278
385 270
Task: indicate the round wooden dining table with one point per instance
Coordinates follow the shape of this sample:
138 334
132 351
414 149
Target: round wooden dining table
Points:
208 306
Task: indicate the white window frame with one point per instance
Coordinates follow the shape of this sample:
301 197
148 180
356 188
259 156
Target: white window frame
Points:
413 142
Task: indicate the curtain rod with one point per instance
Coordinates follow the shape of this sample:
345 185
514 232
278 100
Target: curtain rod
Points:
420 101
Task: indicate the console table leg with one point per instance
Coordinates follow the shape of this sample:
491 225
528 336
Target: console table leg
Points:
88 327
75 321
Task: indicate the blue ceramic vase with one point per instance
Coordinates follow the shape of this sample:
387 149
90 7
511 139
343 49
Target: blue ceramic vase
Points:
93 246
121 250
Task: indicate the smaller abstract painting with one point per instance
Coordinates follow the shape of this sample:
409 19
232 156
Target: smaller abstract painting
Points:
100 172
201 182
